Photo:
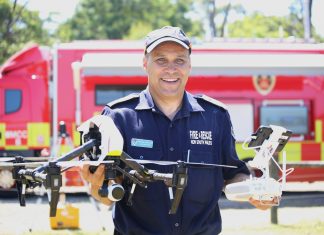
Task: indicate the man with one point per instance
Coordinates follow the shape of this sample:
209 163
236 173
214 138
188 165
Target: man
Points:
164 122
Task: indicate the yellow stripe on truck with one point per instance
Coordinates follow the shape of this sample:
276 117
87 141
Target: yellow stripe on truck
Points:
2 133
293 152
16 147
322 151
318 131
38 134
244 154
3 143
76 135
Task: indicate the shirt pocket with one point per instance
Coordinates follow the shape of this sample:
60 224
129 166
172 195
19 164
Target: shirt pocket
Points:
202 181
145 153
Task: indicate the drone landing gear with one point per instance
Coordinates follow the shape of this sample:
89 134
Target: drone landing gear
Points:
179 181
53 183
20 181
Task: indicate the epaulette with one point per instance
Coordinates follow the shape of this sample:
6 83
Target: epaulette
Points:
211 100
123 99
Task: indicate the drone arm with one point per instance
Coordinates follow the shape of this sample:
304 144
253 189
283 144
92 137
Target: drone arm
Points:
133 175
72 154
128 160
32 175
166 177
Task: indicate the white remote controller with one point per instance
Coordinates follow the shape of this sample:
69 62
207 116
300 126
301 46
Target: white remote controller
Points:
256 188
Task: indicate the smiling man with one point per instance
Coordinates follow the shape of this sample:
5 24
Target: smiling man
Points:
165 122
168 67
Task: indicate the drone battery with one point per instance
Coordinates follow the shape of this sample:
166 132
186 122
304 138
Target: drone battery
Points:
67 217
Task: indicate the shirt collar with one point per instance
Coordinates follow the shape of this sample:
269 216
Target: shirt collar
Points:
145 100
189 103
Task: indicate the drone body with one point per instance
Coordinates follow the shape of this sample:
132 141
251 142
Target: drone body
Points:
96 141
99 146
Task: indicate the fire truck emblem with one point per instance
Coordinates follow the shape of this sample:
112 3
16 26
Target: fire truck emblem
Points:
264 84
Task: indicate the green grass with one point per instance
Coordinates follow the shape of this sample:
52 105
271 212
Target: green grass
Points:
65 232
303 228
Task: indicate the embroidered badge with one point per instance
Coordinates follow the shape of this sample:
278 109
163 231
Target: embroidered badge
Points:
201 137
142 143
264 84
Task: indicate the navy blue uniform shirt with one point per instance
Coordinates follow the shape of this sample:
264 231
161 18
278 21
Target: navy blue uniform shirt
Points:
201 127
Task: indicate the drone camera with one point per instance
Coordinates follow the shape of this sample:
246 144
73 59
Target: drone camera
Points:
116 192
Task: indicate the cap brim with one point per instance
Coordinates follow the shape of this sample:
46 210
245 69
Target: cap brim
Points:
165 39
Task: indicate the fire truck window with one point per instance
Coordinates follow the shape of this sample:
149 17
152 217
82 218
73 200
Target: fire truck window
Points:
106 94
13 100
293 118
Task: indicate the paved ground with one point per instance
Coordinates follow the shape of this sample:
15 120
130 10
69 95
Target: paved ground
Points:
294 208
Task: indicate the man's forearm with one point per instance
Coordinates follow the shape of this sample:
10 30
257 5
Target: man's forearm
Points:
237 178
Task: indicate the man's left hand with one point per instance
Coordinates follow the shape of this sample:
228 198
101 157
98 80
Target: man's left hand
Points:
264 205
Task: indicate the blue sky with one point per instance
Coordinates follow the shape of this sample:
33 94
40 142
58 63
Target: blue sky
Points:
64 9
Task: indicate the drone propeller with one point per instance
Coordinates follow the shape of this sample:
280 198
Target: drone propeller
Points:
168 163
7 159
30 159
62 164
81 163
12 164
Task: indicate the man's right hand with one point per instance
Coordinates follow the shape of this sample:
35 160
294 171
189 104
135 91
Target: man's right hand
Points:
95 180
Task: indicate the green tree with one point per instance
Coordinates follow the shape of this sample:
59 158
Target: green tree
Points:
18 26
301 14
217 15
131 19
259 26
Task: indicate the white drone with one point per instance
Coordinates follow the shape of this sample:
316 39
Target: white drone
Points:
102 143
266 142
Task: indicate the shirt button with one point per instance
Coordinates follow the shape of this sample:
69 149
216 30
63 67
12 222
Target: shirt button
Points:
171 149
176 224
171 125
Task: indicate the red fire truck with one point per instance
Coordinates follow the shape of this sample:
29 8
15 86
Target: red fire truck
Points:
262 83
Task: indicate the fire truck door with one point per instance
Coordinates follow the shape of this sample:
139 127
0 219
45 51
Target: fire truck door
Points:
15 113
